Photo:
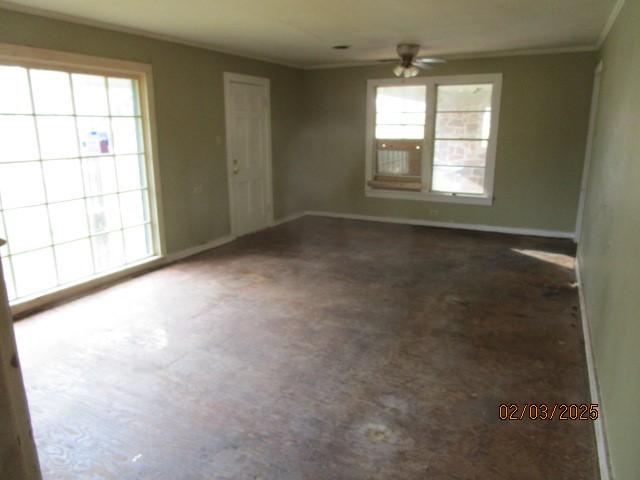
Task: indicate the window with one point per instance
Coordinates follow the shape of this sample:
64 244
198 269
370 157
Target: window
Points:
433 138
75 180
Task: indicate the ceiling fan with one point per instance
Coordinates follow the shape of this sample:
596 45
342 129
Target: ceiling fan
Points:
410 64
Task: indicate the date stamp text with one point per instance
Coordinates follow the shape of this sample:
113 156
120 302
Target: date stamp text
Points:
548 411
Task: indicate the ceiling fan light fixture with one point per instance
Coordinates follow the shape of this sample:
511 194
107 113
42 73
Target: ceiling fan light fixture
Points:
410 72
405 72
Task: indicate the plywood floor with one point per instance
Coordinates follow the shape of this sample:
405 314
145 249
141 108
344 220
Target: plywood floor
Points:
320 349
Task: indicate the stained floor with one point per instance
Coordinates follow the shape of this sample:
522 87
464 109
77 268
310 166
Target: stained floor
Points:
319 349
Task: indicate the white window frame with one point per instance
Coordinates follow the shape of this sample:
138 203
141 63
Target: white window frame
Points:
432 83
30 57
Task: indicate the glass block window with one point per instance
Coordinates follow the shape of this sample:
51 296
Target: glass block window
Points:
74 197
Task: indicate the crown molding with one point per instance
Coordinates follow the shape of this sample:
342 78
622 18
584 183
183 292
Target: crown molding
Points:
40 12
613 16
466 56
320 66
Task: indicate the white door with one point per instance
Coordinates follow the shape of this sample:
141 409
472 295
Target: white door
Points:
248 152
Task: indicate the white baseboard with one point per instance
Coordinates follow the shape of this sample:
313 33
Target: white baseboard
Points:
459 226
288 218
174 257
594 388
66 292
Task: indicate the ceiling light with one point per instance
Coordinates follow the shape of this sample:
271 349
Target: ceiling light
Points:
410 64
406 72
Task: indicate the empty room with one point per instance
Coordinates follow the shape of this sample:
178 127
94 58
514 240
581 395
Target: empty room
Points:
300 240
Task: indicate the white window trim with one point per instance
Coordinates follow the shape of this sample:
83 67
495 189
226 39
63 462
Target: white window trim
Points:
432 83
31 57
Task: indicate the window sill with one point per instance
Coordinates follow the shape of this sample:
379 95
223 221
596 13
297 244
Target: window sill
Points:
24 305
395 185
429 197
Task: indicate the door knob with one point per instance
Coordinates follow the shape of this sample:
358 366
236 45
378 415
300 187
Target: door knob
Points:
236 170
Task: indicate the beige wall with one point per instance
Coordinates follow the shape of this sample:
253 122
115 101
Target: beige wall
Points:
609 248
190 118
540 150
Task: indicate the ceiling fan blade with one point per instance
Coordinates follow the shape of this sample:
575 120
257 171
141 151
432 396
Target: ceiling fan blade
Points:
430 60
388 60
422 66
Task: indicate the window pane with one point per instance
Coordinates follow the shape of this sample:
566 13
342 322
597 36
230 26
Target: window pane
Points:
465 98
90 94
8 278
458 179
21 184
137 242
95 138
104 213
463 125
126 133
74 260
14 94
34 271
108 251
399 131
63 179
400 118
134 208
131 172
99 175
27 228
17 138
51 92
122 97
460 153
58 137
68 221
401 99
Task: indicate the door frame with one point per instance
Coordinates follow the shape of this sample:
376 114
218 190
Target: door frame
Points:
593 113
230 77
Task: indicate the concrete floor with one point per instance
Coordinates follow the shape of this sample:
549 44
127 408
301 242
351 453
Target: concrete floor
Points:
320 349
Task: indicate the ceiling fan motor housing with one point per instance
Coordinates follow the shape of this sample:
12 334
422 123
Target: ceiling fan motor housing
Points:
407 52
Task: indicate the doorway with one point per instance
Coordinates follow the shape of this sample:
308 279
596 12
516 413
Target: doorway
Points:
248 125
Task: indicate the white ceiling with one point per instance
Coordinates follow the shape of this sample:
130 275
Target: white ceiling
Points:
302 32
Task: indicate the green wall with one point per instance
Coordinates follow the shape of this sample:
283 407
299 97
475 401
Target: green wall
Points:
318 124
190 118
540 150
609 248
